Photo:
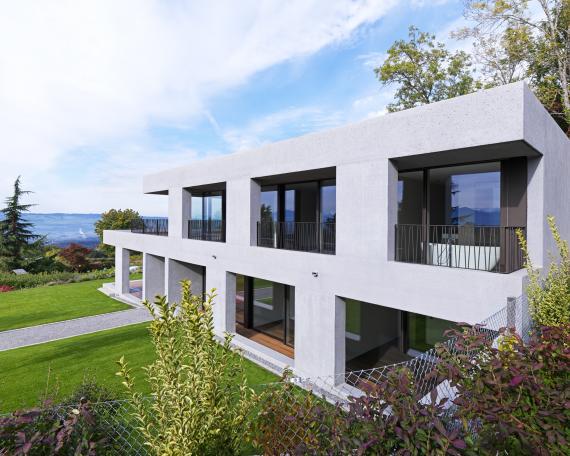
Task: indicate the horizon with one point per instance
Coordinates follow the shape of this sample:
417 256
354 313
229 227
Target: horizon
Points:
233 92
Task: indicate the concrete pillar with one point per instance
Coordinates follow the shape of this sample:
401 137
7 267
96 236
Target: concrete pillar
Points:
536 226
178 212
122 264
254 210
176 272
238 211
216 278
153 276
339 339
392 212
230 302
319 334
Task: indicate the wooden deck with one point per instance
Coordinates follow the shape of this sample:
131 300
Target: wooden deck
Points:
266 340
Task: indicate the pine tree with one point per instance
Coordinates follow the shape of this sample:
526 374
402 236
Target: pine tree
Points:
16 234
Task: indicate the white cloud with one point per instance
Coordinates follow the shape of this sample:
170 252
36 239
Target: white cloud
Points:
279 125
75 74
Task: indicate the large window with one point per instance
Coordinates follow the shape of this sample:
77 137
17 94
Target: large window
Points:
265 307
465 195
463 216
298 216
207 216
377 336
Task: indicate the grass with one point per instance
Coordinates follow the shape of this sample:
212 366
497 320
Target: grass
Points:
36 306
24 371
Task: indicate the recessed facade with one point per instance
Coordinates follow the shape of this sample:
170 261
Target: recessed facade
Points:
356 247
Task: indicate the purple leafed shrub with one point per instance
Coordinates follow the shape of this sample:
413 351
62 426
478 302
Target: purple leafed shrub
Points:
514 399
41 432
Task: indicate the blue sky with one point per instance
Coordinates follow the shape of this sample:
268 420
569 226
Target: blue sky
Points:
98 94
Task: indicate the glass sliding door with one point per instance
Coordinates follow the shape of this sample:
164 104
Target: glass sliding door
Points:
266 307
207 216
240 299
298 216
410 230
464 216
328 216
269 216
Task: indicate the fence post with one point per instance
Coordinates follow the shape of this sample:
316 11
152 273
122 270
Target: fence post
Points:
512 312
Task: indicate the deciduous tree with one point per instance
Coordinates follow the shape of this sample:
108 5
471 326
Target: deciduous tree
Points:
425 71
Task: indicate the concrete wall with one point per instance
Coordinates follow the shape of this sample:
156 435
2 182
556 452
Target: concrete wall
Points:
153 276
176 272
507 119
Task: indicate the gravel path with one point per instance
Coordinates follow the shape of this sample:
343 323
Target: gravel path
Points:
63 329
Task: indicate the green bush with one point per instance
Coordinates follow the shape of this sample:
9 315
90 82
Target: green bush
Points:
549 295
52 278
200 401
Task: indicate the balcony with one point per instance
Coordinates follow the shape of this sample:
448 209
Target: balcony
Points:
156 226
482 248
207 230
301 236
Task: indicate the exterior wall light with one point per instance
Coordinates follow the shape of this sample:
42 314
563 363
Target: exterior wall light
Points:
315 274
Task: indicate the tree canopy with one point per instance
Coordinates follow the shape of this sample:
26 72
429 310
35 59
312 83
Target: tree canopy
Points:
16 235
425 71
115 219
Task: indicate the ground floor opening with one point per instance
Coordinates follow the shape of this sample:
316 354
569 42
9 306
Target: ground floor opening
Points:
378 336
265 313
179 271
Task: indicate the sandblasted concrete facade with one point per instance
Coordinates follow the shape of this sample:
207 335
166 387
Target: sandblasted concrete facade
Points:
496 124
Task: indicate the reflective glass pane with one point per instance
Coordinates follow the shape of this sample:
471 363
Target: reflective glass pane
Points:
240 299
269 205
466 195
213 209
269 308
424 332
328 202
290 315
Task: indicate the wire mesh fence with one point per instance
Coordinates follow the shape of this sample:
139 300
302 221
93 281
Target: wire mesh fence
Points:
117 422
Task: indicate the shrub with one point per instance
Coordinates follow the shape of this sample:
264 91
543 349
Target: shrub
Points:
52 278
6 288
509 400
43 432
549 297
515 398
75 256
200 400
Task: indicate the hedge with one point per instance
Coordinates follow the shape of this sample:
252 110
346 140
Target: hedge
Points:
52 278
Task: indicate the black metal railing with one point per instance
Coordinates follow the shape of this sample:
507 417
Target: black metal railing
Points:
484 248
304 236
207 230
157 226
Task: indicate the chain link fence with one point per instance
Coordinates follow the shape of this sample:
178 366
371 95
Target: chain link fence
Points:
117 422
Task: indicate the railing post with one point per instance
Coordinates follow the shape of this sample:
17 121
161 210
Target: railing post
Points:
511 312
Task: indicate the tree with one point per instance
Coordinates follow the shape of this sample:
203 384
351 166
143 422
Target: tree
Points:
115 219
513 42
425 71
76 257
16 235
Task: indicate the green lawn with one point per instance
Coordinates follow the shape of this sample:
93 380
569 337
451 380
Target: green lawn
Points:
24 371
35 306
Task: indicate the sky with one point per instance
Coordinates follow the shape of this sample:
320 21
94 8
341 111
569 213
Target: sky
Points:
96 94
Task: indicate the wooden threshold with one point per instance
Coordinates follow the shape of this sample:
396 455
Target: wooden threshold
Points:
266 341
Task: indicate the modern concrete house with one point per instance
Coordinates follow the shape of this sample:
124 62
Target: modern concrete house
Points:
355 247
